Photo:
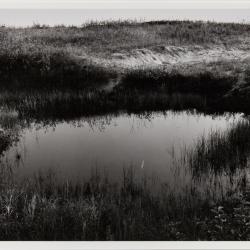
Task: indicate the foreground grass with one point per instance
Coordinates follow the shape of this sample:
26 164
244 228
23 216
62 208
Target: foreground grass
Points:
138 208
39 209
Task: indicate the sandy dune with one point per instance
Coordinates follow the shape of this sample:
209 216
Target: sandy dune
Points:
173 55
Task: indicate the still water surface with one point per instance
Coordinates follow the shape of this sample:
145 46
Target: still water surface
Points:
110 143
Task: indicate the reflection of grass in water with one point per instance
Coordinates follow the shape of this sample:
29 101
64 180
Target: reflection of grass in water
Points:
41 208
222 150
8 129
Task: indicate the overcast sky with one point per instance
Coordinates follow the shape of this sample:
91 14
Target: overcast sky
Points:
76 12
100 4
27 17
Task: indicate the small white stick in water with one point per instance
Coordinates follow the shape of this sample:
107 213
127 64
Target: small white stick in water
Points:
142 164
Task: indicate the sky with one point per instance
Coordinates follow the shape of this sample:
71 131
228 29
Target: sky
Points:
131 4
22 13
28 17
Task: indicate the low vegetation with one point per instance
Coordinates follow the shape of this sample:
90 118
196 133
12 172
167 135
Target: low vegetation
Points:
192 82
77 57
104 38
58 105
47 67
44 208
228 150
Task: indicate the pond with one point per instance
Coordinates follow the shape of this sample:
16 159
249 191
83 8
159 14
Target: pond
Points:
149 143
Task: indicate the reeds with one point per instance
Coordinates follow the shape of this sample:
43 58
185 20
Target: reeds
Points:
222 151
42 209
65 105
138 207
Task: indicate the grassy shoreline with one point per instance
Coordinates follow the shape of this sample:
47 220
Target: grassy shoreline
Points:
41 208
64 105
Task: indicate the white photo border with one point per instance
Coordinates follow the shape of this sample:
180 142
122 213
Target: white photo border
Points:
126 4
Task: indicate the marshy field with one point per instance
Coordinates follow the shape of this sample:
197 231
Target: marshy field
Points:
125 131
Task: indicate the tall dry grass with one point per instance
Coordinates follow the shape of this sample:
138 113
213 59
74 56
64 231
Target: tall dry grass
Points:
65 54
44 208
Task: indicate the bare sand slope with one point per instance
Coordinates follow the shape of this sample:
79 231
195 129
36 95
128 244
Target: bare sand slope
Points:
173 55
190 59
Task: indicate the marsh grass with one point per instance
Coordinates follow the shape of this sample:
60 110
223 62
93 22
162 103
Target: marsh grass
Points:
59 105
198 82
137 207
42 209
41 55
8 133
222 151
65 105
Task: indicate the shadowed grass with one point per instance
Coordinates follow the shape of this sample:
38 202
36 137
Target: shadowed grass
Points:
65 105
198 82
42 209
136 208
5 141
38 67
57 105
8 133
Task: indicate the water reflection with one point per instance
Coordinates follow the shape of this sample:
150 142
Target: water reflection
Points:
151 143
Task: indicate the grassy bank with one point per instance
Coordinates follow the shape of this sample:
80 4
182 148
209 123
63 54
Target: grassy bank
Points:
203 82
47 67
61 105
93 54
104 38
43 208
64 105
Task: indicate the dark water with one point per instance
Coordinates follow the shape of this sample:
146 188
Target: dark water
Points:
73 150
